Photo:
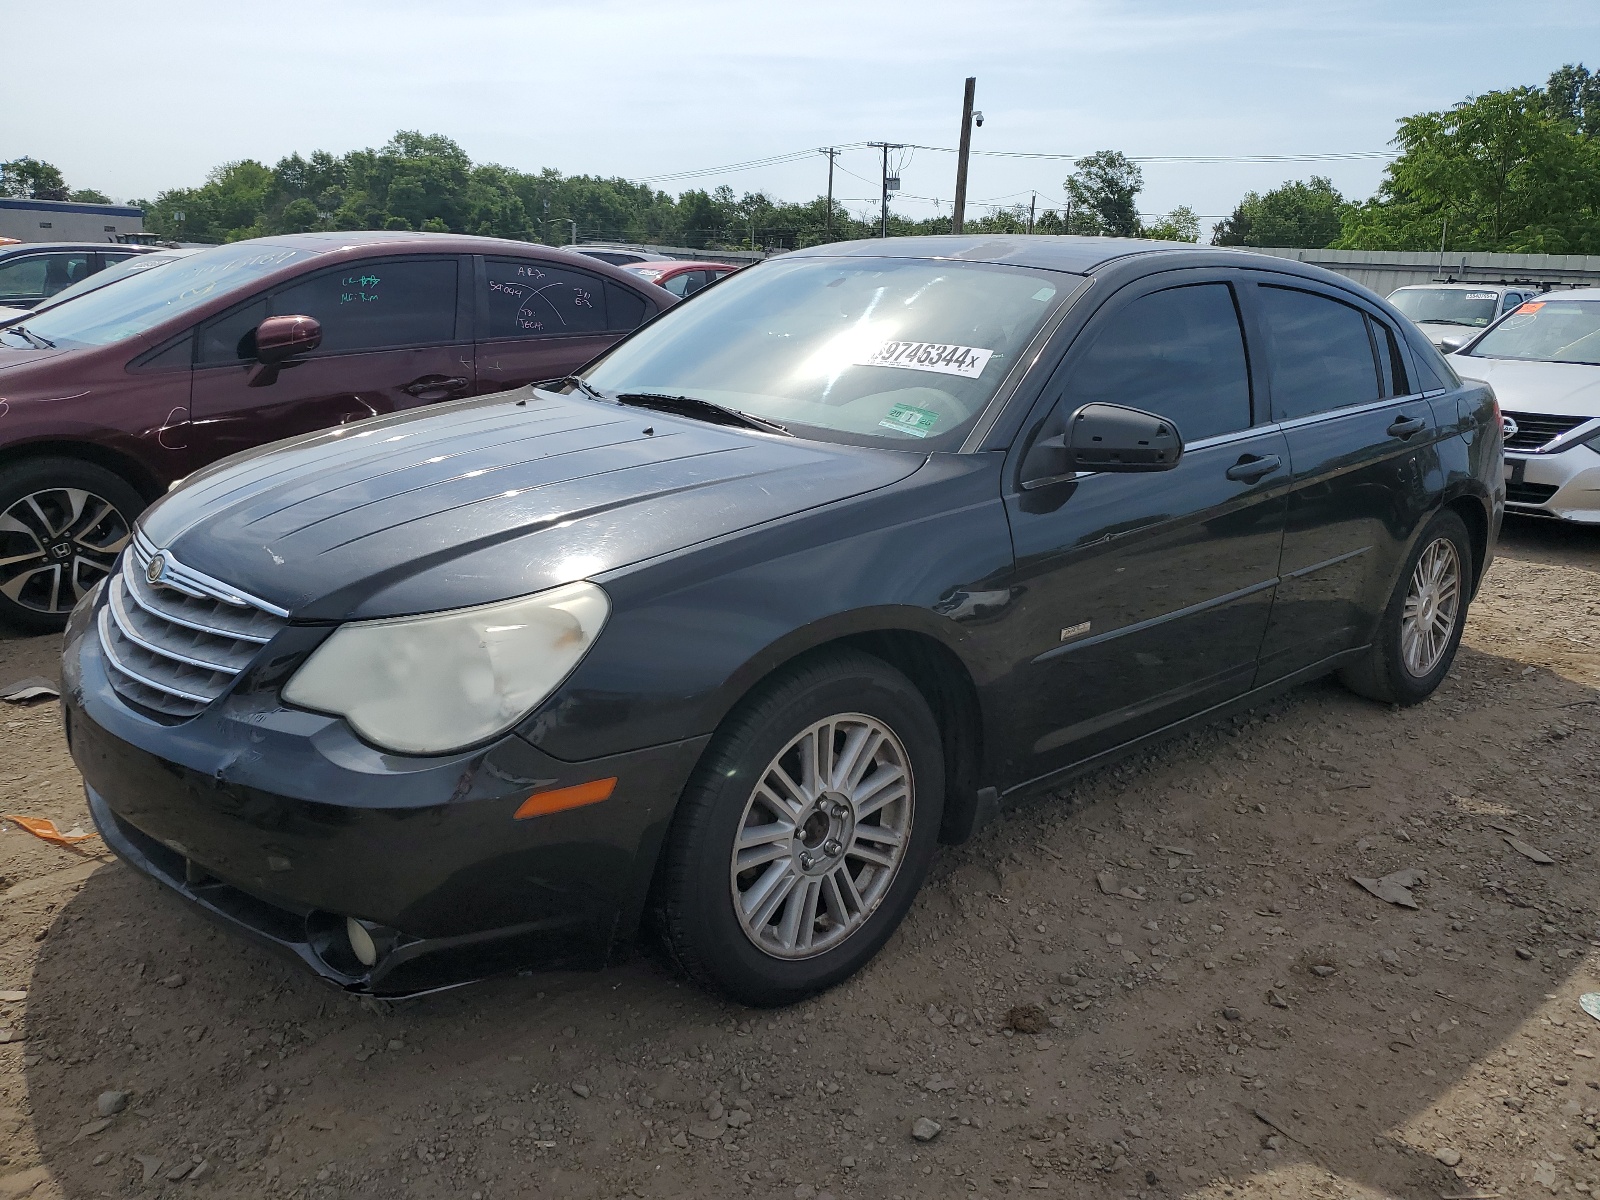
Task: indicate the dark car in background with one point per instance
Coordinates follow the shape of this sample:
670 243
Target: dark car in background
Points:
107 399
33 272
679 277
794 583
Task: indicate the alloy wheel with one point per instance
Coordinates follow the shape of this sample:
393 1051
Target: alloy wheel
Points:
822 836
55 545
1432 605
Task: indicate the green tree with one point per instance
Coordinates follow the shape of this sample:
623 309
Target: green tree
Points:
1179 225
1496 172
1306 214
1572 94
1104 190
89 196
31 179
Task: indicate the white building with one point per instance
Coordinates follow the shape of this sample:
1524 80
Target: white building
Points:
66 220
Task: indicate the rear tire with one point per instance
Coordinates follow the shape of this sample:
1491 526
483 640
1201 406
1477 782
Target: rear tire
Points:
1421 626
781 877
62 523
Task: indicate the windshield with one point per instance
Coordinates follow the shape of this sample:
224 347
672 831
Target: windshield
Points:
1546 331
1447 306
883 351
147 298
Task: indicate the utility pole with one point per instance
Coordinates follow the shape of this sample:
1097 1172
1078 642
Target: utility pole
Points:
958 212
1032 204
883 221
832 154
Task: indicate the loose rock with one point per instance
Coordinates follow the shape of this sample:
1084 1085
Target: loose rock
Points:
925 1129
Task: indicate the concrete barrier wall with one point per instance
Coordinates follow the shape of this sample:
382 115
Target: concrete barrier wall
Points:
1385 270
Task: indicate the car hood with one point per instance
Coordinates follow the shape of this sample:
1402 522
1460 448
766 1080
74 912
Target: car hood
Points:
486 499
1557 389
18 356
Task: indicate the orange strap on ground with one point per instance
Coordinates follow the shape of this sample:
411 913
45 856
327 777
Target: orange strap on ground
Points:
41 827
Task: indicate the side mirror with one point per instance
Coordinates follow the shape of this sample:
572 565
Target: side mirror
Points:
1104 437
278 339
1449 345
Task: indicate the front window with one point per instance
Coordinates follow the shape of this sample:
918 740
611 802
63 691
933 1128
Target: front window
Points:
1546 331
146 300
1447 306
881 351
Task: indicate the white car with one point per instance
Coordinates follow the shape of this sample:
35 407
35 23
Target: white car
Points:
1452 314
1543 361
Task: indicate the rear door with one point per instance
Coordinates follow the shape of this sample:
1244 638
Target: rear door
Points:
539 320
1144 597
393 337
1363 444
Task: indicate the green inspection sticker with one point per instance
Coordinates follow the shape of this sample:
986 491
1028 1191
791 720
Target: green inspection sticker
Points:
918 422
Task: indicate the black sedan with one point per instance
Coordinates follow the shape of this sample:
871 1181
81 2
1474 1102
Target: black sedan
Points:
725 634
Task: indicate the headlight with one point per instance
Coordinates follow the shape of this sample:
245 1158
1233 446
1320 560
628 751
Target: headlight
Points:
436 683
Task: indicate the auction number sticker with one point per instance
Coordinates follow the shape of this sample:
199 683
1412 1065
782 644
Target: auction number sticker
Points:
1482 296
965 361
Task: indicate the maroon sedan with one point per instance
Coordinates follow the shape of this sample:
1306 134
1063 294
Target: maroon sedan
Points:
681 278
107 399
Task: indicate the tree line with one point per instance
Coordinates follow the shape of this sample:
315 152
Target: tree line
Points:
1515 170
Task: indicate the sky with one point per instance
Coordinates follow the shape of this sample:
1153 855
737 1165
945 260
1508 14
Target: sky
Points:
642 89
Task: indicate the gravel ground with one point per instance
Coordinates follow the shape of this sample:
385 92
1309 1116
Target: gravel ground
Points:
1162 982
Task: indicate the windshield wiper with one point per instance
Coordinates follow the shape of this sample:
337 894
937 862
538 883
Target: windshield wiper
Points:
693 406
1449 321
32 338
584 387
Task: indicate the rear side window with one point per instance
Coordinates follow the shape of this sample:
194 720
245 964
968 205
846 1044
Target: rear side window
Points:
1391 367
377 305
528 298
1178 353
624 309
1322 355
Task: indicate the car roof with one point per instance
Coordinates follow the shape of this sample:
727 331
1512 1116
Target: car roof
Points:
1469 287
1052 252
674 266
22 247
327 242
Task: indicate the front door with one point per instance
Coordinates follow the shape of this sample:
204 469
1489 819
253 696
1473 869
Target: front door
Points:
1363 447
538 320
389 342
1144 597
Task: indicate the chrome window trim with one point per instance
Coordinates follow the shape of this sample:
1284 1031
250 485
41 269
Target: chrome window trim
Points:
1349 410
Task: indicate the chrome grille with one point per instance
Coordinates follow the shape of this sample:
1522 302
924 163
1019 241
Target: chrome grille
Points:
176 646
1535 431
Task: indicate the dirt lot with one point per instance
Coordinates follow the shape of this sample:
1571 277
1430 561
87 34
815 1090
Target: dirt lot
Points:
1237 1019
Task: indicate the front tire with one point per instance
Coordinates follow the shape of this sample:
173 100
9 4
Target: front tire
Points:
63 522
805 832
1421 627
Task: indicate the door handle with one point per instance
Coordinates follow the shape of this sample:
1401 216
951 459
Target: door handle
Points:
434 387
1403 426
1252 467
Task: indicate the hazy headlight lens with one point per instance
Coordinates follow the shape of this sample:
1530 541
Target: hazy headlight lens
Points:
435 683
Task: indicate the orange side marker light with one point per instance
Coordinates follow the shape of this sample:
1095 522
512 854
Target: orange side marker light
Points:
542 804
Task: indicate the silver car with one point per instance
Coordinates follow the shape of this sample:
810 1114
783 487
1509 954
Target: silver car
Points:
1543 362
1452 314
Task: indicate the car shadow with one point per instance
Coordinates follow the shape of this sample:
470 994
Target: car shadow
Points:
238 1059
